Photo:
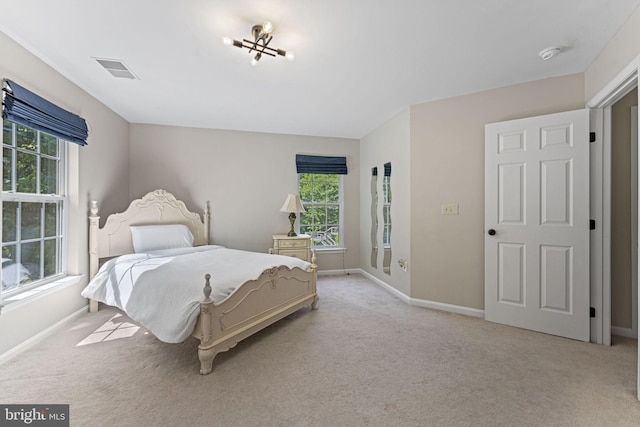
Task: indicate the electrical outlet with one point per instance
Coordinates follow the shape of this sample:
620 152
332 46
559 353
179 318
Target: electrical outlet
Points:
450 209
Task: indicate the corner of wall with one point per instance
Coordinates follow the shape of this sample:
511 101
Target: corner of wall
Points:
622 49
390 142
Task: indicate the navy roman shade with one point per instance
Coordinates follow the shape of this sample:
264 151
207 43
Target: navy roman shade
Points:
25 107
321 164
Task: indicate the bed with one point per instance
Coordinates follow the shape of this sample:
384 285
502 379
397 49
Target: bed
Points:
259 297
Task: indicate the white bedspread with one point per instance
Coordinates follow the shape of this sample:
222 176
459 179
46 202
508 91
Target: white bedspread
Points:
162 290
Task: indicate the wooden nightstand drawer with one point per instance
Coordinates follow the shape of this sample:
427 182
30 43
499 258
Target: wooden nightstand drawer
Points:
293 246
296 253
299 243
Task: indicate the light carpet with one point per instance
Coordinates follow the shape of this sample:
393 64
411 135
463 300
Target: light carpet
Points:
364 358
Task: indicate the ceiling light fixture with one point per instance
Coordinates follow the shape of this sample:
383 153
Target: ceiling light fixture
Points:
260 44
550 52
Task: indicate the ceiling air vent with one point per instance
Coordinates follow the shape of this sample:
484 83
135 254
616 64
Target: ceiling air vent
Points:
116 68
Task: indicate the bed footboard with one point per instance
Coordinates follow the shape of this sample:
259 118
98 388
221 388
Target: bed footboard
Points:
256 304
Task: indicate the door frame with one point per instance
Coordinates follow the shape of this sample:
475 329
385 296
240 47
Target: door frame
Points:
625 81
635 300
600 179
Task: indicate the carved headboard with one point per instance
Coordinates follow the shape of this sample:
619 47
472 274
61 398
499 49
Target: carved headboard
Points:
156 207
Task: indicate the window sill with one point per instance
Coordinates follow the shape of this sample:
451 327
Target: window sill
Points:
15 301
328 250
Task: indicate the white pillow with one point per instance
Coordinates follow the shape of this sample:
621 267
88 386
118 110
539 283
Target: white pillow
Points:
147 238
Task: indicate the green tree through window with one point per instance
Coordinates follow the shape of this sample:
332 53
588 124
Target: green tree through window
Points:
33 200
320 195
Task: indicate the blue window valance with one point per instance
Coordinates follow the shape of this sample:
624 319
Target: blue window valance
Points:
321 164
387 169
25 107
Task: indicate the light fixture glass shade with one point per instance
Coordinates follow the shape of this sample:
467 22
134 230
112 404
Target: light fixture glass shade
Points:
267 27
227 41
290 56
292 204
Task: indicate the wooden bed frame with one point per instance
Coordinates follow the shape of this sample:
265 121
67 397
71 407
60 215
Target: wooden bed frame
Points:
254 305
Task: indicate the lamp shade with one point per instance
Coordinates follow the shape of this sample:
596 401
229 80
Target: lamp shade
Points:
292 204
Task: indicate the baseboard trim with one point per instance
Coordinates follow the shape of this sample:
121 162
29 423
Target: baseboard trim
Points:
386 286
25 345
458 309
340 272
467 311
623 332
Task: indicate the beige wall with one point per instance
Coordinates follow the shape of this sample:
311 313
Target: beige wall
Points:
100 170
620 51
447 166
388 143
246 177
621 308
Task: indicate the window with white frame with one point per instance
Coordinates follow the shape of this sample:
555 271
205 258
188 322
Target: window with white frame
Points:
33 206
321 196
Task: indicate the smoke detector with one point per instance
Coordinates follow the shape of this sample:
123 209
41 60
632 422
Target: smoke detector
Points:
550 52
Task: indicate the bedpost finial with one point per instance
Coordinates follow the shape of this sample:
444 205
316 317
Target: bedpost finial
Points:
94 207
207 287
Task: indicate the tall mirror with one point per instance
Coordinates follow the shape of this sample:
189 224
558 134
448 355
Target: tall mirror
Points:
374 217
386 215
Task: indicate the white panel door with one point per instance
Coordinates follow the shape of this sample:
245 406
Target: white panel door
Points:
537 223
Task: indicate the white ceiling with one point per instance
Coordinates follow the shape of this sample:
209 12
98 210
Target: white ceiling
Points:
358 62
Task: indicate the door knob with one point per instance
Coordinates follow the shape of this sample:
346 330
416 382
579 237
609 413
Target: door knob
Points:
492 232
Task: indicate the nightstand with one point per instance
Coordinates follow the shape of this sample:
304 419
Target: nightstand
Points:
295 246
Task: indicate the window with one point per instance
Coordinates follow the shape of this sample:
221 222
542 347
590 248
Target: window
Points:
33 202
321 196
320 186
